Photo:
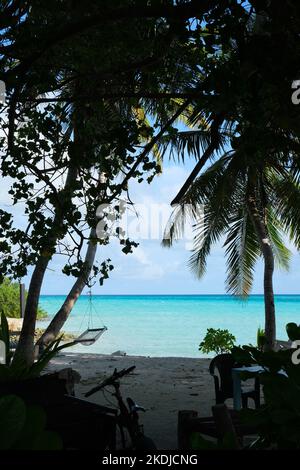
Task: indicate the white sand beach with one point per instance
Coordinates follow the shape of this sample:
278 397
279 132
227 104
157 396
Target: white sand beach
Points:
163 385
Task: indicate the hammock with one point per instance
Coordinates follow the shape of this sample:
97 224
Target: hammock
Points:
91 334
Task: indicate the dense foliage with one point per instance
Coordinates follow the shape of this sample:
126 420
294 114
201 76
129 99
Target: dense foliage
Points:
98 58
19 370
10 300
95 87
277 420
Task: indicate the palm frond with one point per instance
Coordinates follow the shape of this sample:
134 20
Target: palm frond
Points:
175 228
242 252
201 194
214 190
188 143
286 205
185 117
282 254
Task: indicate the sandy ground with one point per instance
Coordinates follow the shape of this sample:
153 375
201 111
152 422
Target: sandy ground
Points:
162 385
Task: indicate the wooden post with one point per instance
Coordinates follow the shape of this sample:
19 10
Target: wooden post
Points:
183 431
224 424
22 300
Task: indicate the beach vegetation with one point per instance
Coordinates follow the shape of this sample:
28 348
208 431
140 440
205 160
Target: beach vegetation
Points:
10 300
218 341
260 338
19 370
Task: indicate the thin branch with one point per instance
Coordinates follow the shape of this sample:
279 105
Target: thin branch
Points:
148 148
116 96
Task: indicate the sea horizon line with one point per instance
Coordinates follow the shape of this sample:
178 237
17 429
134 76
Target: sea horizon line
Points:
170 295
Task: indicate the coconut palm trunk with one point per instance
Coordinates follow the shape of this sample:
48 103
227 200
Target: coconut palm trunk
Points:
258 218
63 313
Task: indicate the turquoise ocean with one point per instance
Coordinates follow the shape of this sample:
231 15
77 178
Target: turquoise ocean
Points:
168 325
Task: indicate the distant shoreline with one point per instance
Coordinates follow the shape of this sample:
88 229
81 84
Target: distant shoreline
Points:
169 325
171 295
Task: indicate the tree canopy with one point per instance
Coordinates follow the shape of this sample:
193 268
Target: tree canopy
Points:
96 88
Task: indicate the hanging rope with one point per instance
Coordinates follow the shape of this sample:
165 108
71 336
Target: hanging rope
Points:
90 335
90 322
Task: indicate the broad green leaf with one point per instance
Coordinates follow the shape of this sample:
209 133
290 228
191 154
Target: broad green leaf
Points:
12 420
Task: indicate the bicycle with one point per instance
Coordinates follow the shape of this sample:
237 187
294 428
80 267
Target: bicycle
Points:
127 417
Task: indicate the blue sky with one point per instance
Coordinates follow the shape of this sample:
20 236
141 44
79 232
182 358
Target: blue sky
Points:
152 269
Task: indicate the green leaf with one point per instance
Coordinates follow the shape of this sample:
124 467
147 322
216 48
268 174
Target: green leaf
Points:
34 425
293 331
12 420
51 351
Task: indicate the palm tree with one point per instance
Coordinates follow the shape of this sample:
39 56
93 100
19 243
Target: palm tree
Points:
253 202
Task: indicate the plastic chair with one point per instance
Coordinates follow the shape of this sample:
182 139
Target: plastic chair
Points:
224 363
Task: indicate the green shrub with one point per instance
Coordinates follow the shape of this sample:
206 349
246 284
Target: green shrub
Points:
260 338
18 370
218 341
10 300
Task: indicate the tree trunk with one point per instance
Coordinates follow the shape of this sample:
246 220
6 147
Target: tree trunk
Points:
25 347
61 316
260 226
26 341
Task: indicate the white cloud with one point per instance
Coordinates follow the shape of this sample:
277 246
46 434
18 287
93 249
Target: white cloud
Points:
152 269
140 255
